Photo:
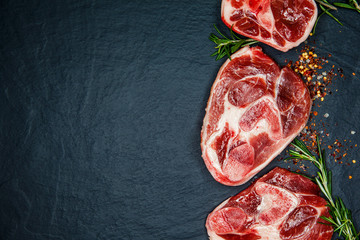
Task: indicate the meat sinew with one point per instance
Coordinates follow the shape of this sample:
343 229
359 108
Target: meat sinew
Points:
281 205
254 111
282 24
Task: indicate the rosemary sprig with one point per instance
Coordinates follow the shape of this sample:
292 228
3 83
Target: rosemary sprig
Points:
341 216
226 46
326 7
326 4
351 5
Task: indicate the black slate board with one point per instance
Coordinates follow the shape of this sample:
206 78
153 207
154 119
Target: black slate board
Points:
101 111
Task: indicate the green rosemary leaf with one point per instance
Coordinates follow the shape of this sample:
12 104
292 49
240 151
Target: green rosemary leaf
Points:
220 32
226 46
330 220
344 5
233 35
221 55
353 5
235 47
328 13
341 218
330 181
326 4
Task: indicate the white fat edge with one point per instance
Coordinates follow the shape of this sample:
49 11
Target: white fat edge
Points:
227 105
213 158
243 51
267 203
212 235
232 115
206 145
269 232
226 10
277 84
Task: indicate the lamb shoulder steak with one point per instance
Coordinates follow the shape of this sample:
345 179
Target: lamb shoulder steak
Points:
281 205
254 111
282 24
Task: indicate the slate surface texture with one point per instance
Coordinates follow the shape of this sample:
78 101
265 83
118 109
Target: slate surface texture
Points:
102 105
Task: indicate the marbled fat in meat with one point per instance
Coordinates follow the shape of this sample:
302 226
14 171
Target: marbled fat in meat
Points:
282 24
254 111
274 207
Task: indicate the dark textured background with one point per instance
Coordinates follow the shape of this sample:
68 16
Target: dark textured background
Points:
101 111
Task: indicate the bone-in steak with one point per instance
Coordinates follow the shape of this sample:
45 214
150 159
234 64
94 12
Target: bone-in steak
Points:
282 24
279 206
254 111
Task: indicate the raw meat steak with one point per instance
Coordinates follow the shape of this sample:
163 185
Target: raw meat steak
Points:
279 206
282 24
254 111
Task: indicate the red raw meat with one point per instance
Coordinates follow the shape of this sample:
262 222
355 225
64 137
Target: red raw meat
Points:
282 24
279 206
254 111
